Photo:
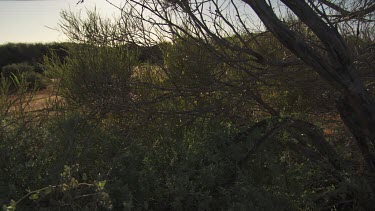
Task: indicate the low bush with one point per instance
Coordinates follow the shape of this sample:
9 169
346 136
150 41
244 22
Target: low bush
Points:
16 69
26 72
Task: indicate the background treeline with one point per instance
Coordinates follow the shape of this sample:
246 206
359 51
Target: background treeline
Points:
32 54
25 61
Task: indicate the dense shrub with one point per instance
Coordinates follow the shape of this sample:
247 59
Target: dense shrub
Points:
16 69
190 133
95 77
33 54
26 72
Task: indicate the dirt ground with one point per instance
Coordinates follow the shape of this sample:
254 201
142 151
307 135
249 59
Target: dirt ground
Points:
36 101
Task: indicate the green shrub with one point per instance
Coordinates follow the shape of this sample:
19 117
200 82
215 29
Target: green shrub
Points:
26 72
35 80
16 69
95 77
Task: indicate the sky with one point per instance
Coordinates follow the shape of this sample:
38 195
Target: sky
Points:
30 21
36 21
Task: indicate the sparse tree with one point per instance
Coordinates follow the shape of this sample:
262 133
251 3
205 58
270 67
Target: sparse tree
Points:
229 30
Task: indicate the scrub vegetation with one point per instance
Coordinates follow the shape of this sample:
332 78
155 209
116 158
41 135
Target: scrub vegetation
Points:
194 109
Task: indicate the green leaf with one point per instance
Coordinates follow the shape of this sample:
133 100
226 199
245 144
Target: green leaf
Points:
101 184
10 207
48 190
34 196
15 79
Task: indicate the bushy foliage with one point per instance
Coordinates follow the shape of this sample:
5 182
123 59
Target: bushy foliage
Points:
189 133
23 71
95 78
82 160
13 53
16 69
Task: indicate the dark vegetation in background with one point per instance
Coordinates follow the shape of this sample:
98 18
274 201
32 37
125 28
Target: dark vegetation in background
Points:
26 60
32 54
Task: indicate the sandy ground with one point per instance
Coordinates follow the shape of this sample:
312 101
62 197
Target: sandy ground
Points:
37 101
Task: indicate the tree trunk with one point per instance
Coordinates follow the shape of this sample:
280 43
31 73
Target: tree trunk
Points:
358 114
356 107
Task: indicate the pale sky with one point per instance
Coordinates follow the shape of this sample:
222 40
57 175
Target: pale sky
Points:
36 21
29 21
